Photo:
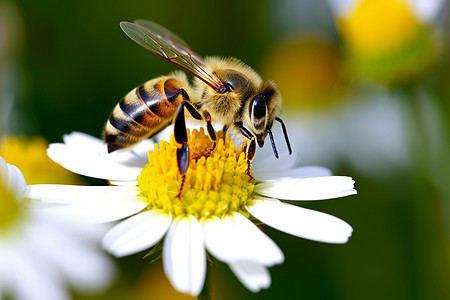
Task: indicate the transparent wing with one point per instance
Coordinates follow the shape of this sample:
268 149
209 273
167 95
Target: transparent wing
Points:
162 33
166 44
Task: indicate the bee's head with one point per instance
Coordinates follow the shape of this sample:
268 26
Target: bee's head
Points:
262 110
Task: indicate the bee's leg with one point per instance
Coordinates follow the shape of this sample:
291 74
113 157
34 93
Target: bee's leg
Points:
192 110
211 132
285 134
251 147
250 150
224 130
196 115
272 141
183 180
181 136
172 96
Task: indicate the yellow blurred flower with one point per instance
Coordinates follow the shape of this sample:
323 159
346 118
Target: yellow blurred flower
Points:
10 210
374 27
307 70
154 285
387 40
30 156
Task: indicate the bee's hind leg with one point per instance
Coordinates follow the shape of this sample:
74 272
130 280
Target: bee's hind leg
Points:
181 138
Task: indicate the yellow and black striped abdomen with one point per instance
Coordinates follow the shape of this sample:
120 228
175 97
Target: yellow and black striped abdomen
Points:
144 111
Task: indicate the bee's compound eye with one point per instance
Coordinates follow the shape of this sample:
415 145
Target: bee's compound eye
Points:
258 112
259 107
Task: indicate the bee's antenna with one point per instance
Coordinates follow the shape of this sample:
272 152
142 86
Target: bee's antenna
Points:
285 134
272 141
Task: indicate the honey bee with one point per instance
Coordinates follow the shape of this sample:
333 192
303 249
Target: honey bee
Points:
225 90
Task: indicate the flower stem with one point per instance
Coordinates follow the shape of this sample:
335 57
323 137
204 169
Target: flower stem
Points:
429 201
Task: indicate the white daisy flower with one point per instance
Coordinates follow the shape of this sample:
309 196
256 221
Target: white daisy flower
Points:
39 252
210 212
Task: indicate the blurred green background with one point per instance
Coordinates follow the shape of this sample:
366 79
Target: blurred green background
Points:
66 64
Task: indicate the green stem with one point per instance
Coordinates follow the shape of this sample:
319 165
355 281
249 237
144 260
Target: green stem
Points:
429 200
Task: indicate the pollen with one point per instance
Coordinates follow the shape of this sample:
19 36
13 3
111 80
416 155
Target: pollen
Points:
218 181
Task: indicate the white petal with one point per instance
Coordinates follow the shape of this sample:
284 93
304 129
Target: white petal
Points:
72 255
316 188
34 277
136 155
132 182
132 156
95 213
87 162
12 177
235 238
184 256
427 10
342 7
82 140
93 233
137 233
254 276
89 204
269 163
301 222
76 194
301 172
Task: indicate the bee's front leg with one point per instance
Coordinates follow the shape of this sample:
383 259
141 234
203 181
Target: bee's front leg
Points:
251 146
210 128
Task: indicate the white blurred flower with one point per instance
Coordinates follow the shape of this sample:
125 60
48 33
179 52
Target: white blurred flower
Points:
40 254
371 135
211 211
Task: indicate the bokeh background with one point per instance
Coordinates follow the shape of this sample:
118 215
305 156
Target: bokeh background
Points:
366 88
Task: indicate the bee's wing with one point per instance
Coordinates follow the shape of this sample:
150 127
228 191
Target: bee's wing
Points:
166 44
161 32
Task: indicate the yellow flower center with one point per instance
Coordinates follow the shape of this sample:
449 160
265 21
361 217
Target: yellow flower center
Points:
218 181
10 208
30 156
378 26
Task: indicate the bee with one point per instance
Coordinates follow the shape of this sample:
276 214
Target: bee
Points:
225 90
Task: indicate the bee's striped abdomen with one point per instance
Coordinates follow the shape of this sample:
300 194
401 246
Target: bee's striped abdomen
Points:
143 112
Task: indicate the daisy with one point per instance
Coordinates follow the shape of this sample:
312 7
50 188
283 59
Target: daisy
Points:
389 41
39 252
212 211
30 156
